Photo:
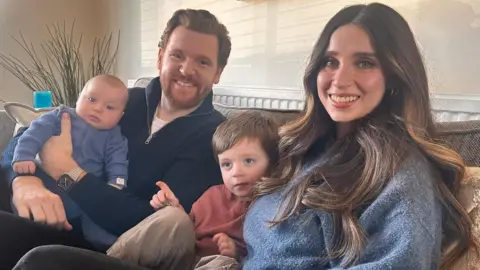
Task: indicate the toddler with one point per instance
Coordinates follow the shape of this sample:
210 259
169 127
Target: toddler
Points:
246 149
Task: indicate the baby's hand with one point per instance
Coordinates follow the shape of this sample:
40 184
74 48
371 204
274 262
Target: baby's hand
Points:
24 167
226 245
164 197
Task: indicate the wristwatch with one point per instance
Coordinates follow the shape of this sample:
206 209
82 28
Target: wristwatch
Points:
69 179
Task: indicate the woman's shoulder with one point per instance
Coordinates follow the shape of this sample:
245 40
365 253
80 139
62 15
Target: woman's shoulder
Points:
410 195
411 190
414 175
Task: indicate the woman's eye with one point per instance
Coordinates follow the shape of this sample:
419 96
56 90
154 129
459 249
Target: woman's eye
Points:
331 62
365 64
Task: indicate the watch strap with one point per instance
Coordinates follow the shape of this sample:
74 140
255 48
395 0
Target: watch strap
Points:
69 179
65 182
75 173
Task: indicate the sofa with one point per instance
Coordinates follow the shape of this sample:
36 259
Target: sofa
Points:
463 136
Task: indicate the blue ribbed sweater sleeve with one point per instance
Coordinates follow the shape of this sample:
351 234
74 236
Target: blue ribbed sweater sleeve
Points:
33 139
403 228
116 161
404 224
8 157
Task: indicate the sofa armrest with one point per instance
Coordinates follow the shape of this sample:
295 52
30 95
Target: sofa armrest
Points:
6 130
469 197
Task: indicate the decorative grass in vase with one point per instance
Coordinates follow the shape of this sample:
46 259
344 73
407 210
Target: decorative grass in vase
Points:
61 67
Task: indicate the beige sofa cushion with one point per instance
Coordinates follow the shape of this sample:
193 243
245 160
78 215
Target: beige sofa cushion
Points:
469 197
6 130
22 114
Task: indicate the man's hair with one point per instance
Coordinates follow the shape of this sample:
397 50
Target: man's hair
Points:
201 21
248 125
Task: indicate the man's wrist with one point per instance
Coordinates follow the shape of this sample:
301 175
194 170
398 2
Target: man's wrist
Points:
82 174
21 181
69 179
76 173
72 165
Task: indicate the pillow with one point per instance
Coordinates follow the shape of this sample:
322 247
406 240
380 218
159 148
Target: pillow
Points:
23 114
6 130
469 197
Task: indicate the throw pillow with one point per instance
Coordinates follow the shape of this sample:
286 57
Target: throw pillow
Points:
23 114
469 197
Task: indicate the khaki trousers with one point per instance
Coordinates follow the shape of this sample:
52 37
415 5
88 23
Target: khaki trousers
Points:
166 241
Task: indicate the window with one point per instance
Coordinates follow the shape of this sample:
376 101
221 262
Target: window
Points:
272 38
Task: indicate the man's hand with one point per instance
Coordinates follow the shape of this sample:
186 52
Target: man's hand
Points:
226 245
164 197
32 199
56 155
24 167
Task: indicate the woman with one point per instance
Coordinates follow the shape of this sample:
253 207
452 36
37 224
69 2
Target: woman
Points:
362 181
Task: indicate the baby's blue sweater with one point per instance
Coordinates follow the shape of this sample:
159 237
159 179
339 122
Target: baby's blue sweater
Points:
96 151
403 226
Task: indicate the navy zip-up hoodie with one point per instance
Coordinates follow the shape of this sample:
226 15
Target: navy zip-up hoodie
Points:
180 154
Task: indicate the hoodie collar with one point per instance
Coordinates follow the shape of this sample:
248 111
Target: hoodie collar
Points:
153 93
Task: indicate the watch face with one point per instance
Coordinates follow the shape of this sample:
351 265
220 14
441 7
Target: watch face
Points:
65 182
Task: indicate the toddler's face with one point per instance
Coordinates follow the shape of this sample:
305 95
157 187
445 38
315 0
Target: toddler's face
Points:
242 165
101 104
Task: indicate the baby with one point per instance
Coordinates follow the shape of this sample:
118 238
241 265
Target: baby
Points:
98 144
246 149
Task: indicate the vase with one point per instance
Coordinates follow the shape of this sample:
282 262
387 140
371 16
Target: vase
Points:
42 99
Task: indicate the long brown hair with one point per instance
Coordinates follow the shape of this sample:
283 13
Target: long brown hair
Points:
361 164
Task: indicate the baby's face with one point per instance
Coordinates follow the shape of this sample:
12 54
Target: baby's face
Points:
242 166
101 104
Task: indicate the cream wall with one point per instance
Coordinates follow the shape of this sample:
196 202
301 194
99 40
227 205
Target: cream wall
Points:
272 38
31 17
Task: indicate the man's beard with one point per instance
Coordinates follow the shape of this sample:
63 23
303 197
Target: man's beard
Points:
194 101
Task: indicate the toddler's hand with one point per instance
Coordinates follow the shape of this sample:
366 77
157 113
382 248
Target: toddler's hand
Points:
226 245
24 167
164 197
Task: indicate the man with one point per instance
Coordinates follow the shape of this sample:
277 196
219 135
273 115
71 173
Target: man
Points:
169 126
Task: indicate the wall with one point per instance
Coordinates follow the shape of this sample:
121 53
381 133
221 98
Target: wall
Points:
272 38
124 15
31 17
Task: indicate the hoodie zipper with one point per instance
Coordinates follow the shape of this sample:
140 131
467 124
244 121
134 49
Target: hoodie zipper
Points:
151 135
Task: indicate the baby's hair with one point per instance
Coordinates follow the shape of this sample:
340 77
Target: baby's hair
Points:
111 80
252 124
